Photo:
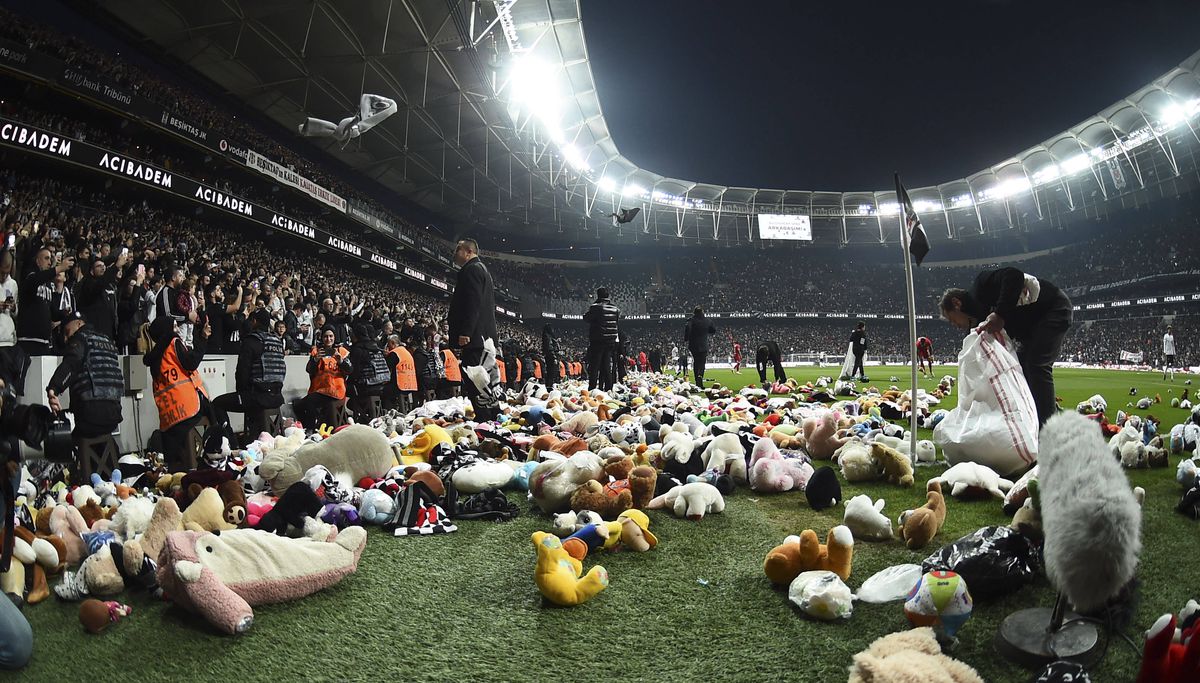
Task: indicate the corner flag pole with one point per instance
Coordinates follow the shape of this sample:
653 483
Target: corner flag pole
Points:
905 239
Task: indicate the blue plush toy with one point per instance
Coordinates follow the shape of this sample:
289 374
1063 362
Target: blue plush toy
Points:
520 478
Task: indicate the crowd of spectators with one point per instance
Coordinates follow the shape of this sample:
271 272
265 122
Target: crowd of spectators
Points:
198 110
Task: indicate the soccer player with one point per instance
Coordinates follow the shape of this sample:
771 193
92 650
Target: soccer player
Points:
737 358
925 355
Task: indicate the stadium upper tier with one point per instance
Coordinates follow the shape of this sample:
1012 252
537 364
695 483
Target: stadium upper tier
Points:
500 125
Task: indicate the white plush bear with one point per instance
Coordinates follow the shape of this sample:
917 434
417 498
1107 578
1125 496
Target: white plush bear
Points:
866 520
856 462
726 455
966 478
692 501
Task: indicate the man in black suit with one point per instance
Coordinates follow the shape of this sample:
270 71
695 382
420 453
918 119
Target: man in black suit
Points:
696 335
472 320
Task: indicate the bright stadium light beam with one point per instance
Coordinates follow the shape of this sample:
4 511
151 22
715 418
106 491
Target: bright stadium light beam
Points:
607 184
1076 164
1173 115
1046 174
575 158
634 191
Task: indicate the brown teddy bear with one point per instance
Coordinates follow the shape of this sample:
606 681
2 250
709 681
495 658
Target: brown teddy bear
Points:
207 513
820 436
918 527
805 553
897 467
629 487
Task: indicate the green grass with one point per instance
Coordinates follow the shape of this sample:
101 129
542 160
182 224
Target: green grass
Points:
464 606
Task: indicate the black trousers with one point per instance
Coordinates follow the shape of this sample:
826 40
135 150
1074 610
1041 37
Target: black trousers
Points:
486 406
780 375
857 370
698 360
1037 352
550 372
600 360
250 402
310 409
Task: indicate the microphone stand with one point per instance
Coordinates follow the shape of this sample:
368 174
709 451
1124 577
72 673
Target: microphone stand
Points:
1036 636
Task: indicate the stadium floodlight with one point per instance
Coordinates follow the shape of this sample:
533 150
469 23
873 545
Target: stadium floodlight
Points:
575 158
634 190
889 209
924 205
960 201
1173 115
607 184
1046 174
1011 186
1076 164
533 87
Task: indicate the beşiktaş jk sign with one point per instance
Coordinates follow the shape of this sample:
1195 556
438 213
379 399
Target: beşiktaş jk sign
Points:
784 227
291 178
22 137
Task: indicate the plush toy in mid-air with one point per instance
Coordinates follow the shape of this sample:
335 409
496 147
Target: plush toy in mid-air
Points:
372 110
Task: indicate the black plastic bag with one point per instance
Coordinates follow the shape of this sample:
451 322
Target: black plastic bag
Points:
994 561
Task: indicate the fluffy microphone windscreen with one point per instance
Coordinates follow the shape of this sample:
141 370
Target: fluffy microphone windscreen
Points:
1090 517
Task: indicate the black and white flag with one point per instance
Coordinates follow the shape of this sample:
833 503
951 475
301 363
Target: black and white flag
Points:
918 241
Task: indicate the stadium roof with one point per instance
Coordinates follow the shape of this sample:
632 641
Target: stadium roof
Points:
500 124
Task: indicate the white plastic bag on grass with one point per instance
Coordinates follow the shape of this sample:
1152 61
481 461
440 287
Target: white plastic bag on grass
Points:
890 584
995 423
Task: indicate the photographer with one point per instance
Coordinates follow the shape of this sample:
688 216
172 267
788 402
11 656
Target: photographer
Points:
258 380
37 292
328 367
91 369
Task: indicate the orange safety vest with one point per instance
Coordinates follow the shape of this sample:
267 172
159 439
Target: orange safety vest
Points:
176 391
562 370
537 368
452 372
503 372
575 369
518 369
328 378
406 369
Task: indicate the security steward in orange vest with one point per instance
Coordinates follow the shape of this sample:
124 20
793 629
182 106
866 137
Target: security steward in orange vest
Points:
399 392
500 368
328 367
179 391
452 384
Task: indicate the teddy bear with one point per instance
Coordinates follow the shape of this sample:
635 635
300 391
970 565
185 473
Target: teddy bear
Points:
559 577
855 460
693 500
866 519
630 531
913 655
33 558
567 523
771 471
579 423
897 467
207 512
806 553
972 480
918 527
356 452
787 436
725 454
100 575
616 496
553 481
820 436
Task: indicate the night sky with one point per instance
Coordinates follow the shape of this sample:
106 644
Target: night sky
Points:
837 96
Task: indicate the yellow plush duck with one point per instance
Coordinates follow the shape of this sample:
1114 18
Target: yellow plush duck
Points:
558 575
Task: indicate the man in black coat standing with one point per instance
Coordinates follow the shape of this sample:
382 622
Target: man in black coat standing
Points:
602 318
696 335
472 320
1033 311
551 355
858 346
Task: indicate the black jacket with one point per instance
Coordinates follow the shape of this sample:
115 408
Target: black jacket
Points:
550 349
602 318
696 332
97 300
473 306
998 290
33 301
858 339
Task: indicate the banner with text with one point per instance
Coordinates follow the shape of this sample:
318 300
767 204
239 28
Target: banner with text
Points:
784 227
291 178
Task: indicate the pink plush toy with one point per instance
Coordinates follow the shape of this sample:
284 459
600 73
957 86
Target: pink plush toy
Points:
770 471
820 435
220 576
256 507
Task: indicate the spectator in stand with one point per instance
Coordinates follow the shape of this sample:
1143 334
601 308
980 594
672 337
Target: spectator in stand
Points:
603 319
8 299
167 301
258 379
472 328
696 333
328 367
97 295
34 325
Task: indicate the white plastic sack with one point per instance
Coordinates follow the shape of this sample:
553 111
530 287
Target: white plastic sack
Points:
890 583
821 595
995 423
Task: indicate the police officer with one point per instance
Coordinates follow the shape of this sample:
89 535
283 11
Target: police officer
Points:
370 372
258 380
92 371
